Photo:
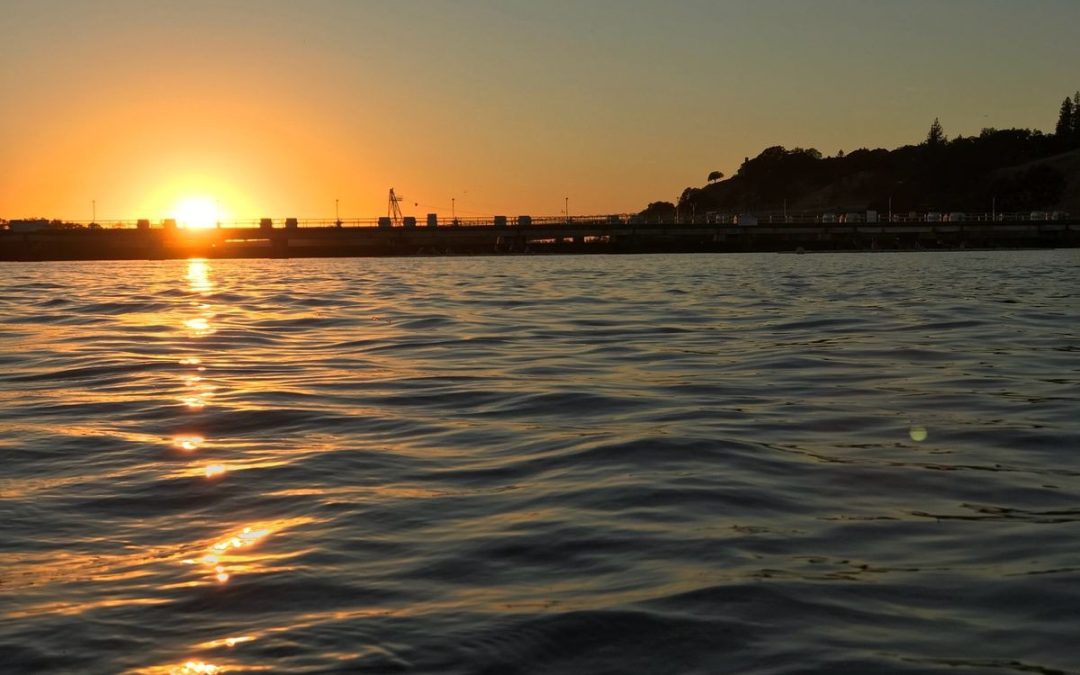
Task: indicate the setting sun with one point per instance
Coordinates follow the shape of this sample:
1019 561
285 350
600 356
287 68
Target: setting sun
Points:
196 213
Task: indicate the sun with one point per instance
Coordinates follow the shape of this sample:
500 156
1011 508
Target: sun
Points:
196 213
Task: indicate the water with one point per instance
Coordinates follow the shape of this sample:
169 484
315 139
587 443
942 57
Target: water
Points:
658 464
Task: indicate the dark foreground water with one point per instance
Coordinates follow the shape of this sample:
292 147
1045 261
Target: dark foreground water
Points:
687 464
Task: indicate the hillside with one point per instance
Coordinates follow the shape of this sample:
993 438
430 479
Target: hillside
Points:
1012 170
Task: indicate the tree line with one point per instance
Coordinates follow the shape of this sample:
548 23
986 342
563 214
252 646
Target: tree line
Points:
958 174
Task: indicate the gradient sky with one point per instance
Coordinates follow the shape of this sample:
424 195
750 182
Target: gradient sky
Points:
278 108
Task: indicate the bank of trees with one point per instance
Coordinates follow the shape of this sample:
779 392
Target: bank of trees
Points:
961 173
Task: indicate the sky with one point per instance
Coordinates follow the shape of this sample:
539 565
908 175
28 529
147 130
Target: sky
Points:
281 108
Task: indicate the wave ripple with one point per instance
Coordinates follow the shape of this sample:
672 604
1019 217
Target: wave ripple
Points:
658 464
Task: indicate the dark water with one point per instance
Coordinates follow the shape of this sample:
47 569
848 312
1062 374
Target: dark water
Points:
688 464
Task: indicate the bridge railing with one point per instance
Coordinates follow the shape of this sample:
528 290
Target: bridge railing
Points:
605 220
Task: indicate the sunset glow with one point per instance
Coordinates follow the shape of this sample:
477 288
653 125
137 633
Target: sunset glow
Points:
294 110
196 213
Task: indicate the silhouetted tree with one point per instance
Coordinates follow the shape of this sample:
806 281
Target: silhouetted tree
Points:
1076 118
659 209
715 176
936 135
1066 118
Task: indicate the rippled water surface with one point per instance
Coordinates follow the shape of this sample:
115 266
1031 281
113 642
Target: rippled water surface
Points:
657 464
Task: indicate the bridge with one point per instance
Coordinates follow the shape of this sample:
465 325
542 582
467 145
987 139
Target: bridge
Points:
292 237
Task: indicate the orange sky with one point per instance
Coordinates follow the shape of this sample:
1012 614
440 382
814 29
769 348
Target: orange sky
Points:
278 108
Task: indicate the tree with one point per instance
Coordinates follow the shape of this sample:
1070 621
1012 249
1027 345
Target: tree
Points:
1066 120
936 136
1076 118
659 209
715 176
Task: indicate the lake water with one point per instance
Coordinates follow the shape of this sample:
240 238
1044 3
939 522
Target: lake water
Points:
642 464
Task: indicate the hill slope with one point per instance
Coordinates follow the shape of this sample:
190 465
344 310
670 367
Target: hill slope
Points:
1015 169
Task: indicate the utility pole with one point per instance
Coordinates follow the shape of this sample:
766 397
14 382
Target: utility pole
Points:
453 210
566 208
337 213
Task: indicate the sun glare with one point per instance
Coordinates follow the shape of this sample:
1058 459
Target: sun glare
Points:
196 213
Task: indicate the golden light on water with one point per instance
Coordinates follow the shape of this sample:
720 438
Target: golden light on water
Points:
199 326
188 443
194 402
198 276
195 668
230 641
234 553
247 537
233 641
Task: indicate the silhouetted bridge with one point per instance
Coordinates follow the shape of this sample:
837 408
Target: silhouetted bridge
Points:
605 234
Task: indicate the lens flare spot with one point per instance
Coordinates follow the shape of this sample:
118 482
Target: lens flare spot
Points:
918 434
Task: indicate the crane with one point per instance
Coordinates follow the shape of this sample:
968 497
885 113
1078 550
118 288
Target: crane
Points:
393 208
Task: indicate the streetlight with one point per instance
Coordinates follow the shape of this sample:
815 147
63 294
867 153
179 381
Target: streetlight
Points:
93 208
566 208
337 213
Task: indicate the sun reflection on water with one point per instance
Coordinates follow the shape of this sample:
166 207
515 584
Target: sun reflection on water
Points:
235 553
188 443
196 668
198 275
199 326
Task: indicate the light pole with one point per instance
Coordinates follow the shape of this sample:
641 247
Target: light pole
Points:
93 210
337 213
566 208
453 210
